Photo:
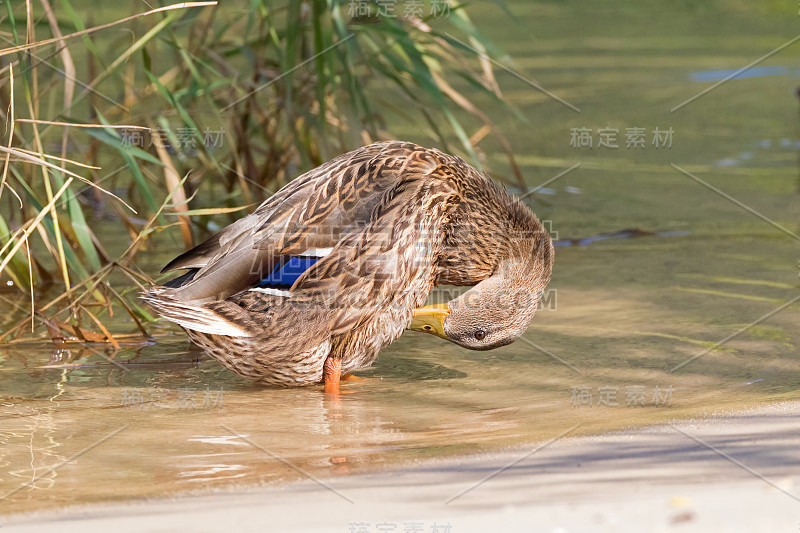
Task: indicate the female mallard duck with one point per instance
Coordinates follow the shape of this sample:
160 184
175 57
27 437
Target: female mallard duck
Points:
332 268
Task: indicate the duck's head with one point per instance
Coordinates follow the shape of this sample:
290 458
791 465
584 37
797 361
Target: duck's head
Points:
499 309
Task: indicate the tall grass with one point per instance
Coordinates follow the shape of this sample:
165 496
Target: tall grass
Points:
176 119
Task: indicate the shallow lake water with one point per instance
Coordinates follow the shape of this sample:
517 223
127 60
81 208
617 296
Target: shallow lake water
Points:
636 330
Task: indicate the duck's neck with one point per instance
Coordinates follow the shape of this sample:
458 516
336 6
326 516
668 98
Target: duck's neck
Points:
519 279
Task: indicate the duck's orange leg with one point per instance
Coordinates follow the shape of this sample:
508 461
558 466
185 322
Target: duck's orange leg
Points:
331 375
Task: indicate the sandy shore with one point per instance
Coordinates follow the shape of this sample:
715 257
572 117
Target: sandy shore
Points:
738 472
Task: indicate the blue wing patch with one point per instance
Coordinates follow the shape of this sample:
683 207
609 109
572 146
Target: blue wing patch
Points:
286 274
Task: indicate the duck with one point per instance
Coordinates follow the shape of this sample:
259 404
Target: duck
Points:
337 264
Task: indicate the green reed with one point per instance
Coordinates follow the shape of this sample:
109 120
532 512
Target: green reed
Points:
175 120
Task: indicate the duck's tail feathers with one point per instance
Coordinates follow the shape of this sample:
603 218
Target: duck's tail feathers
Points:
195 317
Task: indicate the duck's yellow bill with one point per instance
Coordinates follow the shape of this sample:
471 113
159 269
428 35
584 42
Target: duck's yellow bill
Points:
430 319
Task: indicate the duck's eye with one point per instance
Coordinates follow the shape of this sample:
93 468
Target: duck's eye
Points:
480 335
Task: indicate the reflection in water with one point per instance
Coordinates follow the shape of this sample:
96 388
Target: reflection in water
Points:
177 405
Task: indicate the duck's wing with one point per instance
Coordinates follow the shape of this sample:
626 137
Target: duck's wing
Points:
365 289
309 216
388 268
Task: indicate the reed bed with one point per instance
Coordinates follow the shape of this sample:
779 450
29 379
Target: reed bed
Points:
170 122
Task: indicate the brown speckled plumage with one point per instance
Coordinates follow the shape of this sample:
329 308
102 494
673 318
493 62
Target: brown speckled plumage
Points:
399 218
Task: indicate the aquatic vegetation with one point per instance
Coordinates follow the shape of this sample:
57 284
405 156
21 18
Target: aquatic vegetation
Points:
167 122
